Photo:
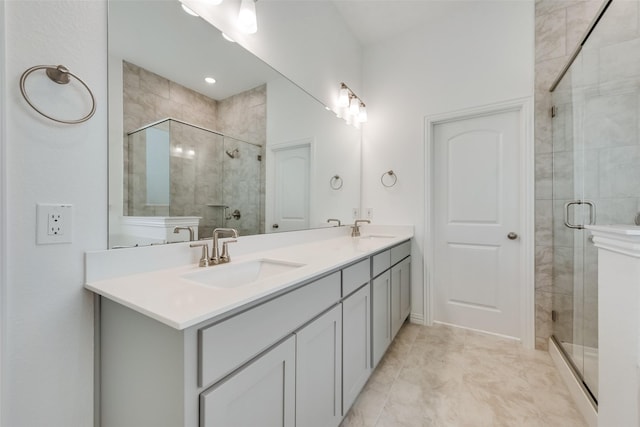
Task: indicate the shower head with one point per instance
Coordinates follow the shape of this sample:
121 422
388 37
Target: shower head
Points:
233 154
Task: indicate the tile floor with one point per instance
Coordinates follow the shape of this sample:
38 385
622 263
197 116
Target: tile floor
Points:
448 377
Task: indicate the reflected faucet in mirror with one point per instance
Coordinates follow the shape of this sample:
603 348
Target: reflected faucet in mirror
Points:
176 230
330 220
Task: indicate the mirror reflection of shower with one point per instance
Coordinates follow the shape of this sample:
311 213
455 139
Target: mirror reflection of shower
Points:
233 154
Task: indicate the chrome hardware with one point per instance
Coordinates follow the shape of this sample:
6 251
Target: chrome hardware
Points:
355 229
236 214
512 236
204 259
275 226
217 234
334 220
176 230
592 213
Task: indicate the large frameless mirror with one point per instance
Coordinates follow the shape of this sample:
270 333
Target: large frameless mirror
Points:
251 151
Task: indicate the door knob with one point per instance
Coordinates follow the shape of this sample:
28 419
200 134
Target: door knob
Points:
512 236
275 226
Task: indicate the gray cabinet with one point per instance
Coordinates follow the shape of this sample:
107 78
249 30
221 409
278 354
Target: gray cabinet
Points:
260 394
400 294
380 315
390 296
318 371
356 347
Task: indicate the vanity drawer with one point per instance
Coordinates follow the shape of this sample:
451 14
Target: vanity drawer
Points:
355 276
400 252
227 345
380 263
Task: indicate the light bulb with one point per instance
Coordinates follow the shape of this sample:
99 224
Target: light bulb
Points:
354 107
189 11
247 20
210 80
343 98
362 116
178 148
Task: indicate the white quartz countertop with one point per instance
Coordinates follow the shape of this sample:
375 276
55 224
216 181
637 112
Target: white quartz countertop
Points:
168 297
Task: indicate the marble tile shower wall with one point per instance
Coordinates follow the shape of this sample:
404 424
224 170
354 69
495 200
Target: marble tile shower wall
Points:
244 116
558 30
196 187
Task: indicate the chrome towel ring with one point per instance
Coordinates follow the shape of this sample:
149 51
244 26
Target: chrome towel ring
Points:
59 74
389 182
336 182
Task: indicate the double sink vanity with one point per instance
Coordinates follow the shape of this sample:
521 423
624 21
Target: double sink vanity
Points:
285 334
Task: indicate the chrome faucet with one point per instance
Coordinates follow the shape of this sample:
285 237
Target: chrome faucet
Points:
355 229
176 230
334 220
216 257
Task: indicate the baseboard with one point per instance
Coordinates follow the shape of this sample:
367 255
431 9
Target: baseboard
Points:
417 318
576 388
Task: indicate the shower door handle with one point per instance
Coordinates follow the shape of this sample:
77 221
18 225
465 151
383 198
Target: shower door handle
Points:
592 213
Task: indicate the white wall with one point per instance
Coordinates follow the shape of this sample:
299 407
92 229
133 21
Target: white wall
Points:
48 355
469 54
3 216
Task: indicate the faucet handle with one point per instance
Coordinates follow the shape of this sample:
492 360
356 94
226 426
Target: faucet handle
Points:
225 257
204 259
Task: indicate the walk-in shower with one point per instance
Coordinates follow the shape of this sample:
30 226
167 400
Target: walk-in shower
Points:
177 169
596 173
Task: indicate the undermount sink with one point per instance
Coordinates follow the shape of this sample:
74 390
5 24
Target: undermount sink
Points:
234 275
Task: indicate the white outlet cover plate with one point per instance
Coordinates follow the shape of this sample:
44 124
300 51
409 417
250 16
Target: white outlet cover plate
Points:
43 210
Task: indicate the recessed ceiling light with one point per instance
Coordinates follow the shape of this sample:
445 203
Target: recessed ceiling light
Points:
210 80
227 38
189 11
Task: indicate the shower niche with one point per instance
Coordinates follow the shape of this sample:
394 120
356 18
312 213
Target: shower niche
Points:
596 170
175 169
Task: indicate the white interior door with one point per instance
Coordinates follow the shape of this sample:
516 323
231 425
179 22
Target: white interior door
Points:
291 191
476 271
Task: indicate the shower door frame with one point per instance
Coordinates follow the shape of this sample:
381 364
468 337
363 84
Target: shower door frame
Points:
524 106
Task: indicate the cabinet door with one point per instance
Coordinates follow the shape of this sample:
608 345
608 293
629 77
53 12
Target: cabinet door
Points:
380 315
260 394
405 287
319 371
356 345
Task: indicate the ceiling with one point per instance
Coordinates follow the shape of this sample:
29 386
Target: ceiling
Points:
372 21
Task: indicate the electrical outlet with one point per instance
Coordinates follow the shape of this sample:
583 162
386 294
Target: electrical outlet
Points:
369 213
54 223
355 213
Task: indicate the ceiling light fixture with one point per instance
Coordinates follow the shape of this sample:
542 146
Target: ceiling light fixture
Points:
350 106
189 11
247 20
210 80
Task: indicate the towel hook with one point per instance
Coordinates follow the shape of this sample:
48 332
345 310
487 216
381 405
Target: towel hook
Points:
58 74
389 183
336 182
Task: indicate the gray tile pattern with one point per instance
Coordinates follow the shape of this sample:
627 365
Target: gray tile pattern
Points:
446 377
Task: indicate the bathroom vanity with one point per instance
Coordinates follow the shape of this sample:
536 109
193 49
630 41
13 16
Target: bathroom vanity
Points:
289 339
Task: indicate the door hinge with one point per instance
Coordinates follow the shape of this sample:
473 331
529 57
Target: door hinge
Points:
554 315
259 157
554 111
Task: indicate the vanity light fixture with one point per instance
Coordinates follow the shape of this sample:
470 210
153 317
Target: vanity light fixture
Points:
247 20
210 80
189 11
350 107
